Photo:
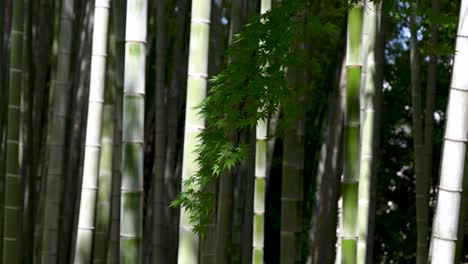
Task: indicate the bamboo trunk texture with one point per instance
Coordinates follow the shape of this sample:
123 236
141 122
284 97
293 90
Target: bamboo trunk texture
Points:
421 180
329 191
13 199
117 62
101 235
77 111
174 98
159 252
91 166
371 91
350 183
259 193
29 187
102 222
223 239
131 215
261 150
292 192
454 156
56 136
194 122
430 103
431 94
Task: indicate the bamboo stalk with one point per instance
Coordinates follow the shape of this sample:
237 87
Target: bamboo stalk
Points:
454 158
91 166
194 122
350 183
131 215
13 194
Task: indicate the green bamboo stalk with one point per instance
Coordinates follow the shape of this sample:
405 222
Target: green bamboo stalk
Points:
259 193
367 157
261 151
131 214
430 100
272 127
194 122
221 242
159 253
454 159
12 208
431 93
101 235
421 180
2 68
89 188
56 136
5 15
350 182
219 245
172 173
76 137
42 51
292 186
117 51
28 156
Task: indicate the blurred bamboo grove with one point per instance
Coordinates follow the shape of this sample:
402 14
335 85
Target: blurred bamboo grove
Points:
233 131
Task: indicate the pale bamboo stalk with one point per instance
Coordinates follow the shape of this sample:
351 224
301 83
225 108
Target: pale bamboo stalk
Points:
91 166
261 153
12 208
76 111
350 182
368 136
378 81
131 215
454 159
194 122
259 193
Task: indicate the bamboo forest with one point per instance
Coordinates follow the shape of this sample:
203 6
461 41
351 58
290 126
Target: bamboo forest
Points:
233 131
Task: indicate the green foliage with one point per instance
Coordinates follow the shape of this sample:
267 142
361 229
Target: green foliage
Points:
247 90
251 88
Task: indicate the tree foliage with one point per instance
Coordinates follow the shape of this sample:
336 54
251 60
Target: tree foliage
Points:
251 88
